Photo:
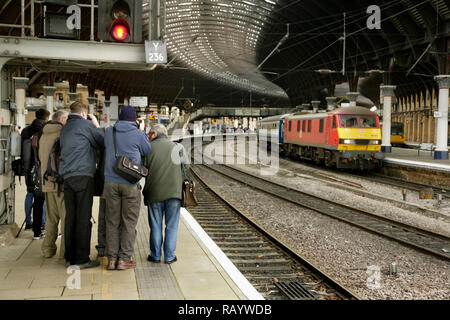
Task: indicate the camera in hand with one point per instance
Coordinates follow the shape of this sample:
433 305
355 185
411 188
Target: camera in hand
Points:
89 117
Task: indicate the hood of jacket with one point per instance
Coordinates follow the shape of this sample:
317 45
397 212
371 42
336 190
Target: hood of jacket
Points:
125 126
52 127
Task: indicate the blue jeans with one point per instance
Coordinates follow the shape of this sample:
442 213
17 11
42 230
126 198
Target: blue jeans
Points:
171 209
28 206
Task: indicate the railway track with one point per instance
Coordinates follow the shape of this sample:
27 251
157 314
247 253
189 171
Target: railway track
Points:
426 241
379 178
272 268
374 177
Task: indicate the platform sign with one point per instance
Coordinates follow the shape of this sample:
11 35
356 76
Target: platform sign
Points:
155 51
138 101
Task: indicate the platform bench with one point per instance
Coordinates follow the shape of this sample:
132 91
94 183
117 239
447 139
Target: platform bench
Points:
426 147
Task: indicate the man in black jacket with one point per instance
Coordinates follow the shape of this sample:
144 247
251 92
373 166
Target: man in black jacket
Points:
36 127
79 138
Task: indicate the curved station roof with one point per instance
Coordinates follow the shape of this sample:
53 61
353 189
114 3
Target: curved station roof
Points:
265 52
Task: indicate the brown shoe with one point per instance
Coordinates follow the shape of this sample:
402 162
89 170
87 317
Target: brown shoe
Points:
111 265
123 265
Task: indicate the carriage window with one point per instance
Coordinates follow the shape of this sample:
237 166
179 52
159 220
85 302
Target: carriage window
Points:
298 125
321 125
304 125
309 125
334 123
290 125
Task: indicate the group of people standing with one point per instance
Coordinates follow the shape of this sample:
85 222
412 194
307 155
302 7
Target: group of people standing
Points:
81 141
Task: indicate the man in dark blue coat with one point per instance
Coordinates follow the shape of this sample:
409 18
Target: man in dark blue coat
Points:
79 139
123 198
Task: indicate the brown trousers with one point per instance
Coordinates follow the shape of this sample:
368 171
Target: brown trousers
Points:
55 211
123 203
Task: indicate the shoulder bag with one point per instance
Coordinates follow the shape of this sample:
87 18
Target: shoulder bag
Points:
127 168
188 198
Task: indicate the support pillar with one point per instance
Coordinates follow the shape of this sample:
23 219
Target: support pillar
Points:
73 96
106 114
352 96
49 93
441 152
92 104
20 84
315 104
387 93
331 103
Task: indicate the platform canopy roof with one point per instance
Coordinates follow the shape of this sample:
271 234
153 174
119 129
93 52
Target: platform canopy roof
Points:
269 52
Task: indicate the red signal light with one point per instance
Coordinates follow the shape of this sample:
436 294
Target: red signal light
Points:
120 29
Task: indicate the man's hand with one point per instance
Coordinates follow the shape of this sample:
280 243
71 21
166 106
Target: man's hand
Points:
93 120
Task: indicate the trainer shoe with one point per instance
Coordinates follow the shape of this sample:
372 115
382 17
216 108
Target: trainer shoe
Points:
28 227
39 237
112 264
123 265
89 264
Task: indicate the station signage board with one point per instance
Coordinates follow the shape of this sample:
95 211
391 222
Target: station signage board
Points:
138 101
155 52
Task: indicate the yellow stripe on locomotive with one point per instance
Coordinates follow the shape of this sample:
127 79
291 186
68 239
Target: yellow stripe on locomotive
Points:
363 139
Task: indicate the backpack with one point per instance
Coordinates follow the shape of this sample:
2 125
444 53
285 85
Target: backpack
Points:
54 158
36 172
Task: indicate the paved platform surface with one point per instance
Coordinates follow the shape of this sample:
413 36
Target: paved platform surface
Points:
412 157
25 274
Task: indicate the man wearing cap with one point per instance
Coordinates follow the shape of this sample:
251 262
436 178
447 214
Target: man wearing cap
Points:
123 199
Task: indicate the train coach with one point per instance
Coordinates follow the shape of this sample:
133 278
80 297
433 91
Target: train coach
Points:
345 138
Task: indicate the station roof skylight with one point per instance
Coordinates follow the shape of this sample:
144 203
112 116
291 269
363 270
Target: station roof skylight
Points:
218 38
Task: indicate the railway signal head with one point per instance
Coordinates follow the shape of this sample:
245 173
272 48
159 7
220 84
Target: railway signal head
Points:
120 20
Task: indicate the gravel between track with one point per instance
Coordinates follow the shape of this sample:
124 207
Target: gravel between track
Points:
343 251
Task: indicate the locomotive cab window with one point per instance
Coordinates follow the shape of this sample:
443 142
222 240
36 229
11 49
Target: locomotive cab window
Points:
309 125
298 125
303 125
290 125
368 122
334 123
321 125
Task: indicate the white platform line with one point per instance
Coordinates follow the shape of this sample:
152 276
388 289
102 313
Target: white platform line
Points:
419 164
238 278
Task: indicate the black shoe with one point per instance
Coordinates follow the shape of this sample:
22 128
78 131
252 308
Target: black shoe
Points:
171 261
149 258
89 264
28 227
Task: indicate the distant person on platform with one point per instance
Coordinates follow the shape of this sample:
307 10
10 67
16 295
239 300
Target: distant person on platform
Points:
32 200
162 194
123 198
54 195
79 138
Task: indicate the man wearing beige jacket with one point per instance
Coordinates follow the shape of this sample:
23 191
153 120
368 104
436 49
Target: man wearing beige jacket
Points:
54 195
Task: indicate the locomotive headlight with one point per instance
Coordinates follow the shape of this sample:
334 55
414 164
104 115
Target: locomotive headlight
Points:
374 142
348 141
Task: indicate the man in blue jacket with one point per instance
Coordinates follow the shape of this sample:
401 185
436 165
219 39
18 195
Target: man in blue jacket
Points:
123 199
79 138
